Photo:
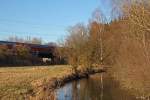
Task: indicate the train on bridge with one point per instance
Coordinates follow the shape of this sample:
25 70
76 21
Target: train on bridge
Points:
38 50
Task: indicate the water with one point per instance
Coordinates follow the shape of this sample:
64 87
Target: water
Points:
97 87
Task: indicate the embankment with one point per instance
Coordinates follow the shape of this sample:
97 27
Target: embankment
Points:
45 89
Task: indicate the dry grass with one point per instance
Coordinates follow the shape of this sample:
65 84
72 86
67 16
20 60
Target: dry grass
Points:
16 81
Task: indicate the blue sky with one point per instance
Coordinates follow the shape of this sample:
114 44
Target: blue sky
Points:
46 19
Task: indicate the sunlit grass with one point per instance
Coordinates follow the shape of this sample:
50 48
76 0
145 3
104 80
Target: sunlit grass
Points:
15 81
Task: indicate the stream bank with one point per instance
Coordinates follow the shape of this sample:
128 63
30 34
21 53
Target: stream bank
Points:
44 89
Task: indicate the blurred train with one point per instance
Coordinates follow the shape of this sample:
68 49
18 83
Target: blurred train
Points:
38 50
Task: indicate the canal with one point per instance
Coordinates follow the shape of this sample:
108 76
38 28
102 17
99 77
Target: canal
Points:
96 87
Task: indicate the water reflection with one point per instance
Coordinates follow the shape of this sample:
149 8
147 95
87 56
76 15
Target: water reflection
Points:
97 87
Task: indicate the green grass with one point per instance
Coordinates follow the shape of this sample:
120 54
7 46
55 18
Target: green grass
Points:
16 81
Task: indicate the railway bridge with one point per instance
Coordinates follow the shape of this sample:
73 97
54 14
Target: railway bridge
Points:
41 51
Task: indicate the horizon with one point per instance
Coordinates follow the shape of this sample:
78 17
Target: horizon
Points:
47 19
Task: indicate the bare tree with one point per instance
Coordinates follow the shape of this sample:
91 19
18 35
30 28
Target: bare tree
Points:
133 58
74 45
96 34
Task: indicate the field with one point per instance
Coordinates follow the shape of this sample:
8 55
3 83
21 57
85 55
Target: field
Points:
16 81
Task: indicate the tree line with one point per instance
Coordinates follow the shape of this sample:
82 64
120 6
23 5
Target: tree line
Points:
17 56
123 44
28 39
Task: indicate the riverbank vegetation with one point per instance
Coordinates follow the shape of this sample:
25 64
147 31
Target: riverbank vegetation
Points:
133 59
123 44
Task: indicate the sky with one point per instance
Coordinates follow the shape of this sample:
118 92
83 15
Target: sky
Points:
46 19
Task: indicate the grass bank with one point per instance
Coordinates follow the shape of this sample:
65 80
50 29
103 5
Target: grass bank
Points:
15 82
45 90
30 82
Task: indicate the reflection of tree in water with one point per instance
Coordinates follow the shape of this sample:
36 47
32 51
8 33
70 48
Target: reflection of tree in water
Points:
75 93
90 89
97 87
102 87
113 91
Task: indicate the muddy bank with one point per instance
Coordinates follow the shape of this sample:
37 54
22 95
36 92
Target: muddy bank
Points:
44 89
